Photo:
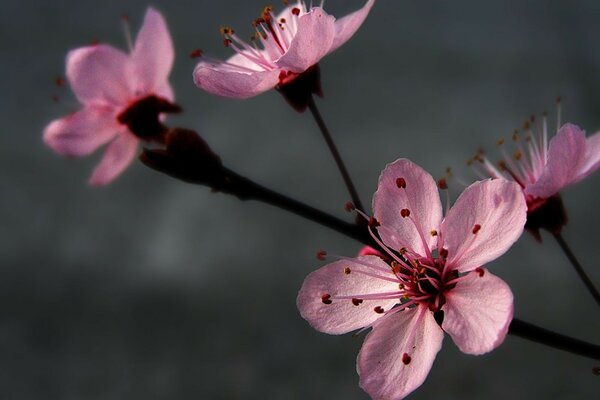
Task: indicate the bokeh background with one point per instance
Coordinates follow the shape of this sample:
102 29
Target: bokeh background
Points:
153 289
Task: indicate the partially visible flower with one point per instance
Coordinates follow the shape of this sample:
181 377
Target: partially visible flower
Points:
542 170
433 281
122 96
292 42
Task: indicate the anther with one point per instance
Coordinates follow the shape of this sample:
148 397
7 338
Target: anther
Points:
373 223
476 228
227 42
405 212
356 302
282 20
395 265
326 299
442 184
349 206
500 142
59 81
401 183
196 53
515 135
226 31
296 11
443 253
480 271
403 250
347 271
379 310
321 255
517 156
406 359
526 125
433 232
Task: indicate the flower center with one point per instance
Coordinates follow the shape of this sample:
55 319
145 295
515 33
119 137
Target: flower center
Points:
142 117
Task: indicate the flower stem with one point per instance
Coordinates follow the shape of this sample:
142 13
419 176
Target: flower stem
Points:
578 268
536 334
335 153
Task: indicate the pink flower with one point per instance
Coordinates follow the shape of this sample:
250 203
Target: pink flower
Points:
542 170
435 282
292 42
115 88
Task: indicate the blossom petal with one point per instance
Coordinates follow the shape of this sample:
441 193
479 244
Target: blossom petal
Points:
237 83
99 74
342 315
153 53
347 26
313 39
420 196
592 156
485 221
566 154
382 364
118 155
82 132
478 312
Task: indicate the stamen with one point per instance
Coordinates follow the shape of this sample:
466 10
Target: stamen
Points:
356 301
406 359
480 271
321 255
349 206
433 232
127 30
296 11
405 212
476 228
326 298
379 310
401 183
442 184
347 271
196 53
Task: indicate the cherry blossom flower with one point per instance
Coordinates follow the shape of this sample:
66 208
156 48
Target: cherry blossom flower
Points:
292 43
543 169
435 282
119 93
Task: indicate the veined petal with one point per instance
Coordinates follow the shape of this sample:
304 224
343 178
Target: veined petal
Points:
478 312
592 156
118 155
345 278
82 132
153 53
238 83
419 195
313 39
385 371
100 74
566 155
347 26
487 218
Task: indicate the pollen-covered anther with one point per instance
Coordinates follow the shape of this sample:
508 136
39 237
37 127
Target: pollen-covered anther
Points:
282 21
349 206
321 255
379 310
442 184
395 265
226 31
296 11
401 183
517 156
405 212
357 302
480 271
326 298
433 232
406 359
347 271
373 223
476 229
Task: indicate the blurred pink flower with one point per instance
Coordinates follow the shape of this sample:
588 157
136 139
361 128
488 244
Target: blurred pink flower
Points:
293 41
114 86
435 282
543 170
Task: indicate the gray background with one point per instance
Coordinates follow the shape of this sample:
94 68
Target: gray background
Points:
153 289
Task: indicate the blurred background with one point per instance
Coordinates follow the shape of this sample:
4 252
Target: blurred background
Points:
152 289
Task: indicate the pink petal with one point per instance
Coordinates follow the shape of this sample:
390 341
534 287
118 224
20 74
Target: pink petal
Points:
153 53
478 312
238 83
82 132
100 74
118 155
420 197
313 39
485 221
592 156
347 26
342 315
381 363
566 154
